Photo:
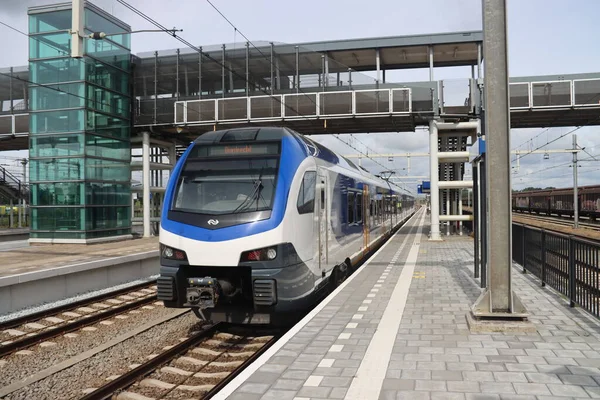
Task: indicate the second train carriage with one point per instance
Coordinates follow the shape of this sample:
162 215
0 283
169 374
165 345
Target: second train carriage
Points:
258 221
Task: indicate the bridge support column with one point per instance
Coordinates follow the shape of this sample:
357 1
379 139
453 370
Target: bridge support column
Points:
498 304
434 177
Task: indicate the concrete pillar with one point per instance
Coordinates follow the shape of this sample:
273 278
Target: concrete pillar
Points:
435 193
146 181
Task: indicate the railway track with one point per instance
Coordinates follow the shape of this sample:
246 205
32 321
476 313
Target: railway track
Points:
197 367
561 221
23 332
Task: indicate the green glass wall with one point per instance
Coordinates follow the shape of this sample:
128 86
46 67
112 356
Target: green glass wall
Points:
80 150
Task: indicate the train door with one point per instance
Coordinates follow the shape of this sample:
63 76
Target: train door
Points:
322 220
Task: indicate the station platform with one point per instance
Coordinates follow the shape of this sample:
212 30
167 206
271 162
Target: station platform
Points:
43 257
397 330
43 273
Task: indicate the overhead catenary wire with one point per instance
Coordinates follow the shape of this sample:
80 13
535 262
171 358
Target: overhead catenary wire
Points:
236 29
195 48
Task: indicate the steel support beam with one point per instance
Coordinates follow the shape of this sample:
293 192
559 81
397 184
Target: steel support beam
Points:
434 178
498 300
455 184
456 217
77 30
146 182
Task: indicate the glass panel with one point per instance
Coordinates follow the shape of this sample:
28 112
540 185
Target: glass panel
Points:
56 121
57 96
57 194
50 21
53 169
106 101
53 71
108 53
56 145
58 218
99 146
107 194
50 45
107 125
306 197
350 208
226 186
106 76
105 170
97 23
108 217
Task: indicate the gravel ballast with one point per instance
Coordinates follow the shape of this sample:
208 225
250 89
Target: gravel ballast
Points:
37 358
93 372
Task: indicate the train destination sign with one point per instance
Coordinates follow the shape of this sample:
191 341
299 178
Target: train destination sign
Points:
232 150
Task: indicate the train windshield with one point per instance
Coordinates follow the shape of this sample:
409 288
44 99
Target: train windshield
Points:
226 186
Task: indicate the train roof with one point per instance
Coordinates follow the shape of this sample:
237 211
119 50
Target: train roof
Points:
314 149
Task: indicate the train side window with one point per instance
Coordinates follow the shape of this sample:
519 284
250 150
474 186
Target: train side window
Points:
350 210
323 196
359 207
371 209
306 197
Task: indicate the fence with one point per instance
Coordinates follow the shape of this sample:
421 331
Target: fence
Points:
566 263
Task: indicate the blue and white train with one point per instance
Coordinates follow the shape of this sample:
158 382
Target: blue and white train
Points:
258 223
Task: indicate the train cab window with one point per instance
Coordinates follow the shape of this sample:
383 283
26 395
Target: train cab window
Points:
359 207
306 197
350 208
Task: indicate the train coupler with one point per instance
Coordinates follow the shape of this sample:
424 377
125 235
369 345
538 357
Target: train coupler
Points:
202 292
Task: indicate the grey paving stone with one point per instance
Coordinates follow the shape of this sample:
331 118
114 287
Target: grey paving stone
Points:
411 395
510 377
492 367
542 378
330 381
566 390
437 386
521 367
578 380
289 384
273 394
398 384
498 388
479 396
479 376
255 388
531 388
464 387
244 396
447 375
447 396
295 374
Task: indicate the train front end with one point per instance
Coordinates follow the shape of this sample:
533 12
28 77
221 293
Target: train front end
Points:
223 250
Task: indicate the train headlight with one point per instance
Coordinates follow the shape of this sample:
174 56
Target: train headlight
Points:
171 253
264 254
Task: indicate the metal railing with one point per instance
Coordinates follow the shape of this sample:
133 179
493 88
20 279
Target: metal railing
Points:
566 263
295 106
555 94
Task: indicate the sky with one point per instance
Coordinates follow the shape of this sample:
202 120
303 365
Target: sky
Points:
545 37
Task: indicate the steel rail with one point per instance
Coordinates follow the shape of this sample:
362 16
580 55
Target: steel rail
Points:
60 329
12 323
